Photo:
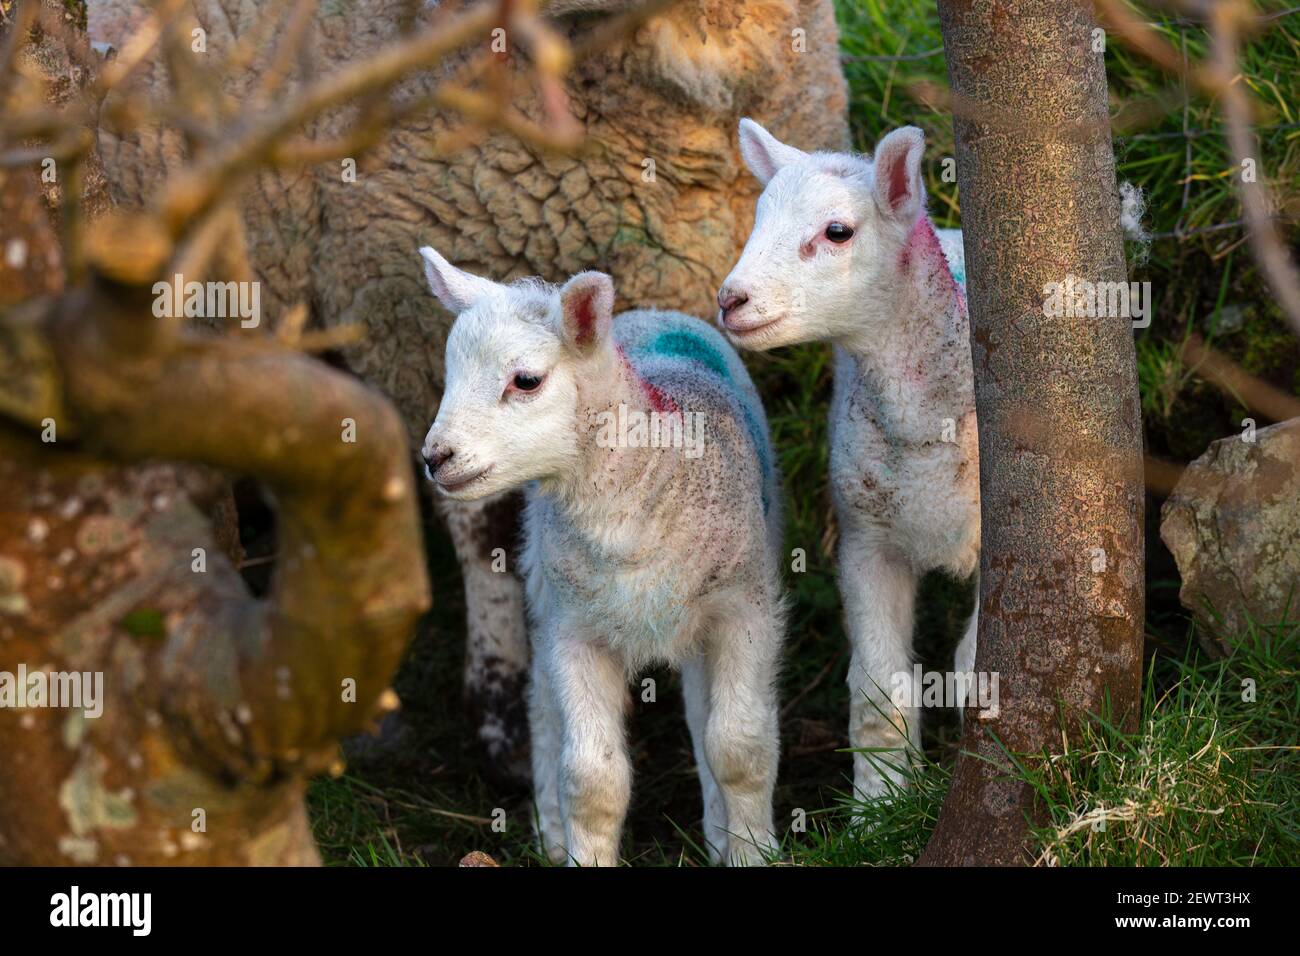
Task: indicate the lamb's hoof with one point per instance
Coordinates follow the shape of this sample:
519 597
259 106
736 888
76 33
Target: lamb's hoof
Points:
872 806
553 849
746 853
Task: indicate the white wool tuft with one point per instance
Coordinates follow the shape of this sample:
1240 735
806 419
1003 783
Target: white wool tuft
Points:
1132 207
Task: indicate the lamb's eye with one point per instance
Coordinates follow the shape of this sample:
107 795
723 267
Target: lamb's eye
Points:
838 232
525 382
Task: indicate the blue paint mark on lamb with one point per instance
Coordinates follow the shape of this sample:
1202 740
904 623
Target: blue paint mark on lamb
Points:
681 337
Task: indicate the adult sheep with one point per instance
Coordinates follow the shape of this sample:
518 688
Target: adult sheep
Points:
659 199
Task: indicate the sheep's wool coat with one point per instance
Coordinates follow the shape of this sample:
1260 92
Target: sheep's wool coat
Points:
675 539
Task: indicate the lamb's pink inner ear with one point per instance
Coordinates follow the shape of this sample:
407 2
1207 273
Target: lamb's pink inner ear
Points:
584 317
898 160
588 303
900 186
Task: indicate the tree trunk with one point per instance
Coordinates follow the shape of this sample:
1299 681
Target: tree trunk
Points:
1061 597
208 709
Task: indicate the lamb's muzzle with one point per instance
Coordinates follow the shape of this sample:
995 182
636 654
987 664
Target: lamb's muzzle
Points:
728 301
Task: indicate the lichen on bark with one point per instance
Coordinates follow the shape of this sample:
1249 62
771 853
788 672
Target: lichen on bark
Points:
1061 616
212 707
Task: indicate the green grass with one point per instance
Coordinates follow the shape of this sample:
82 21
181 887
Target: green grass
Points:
1210 778
1187 788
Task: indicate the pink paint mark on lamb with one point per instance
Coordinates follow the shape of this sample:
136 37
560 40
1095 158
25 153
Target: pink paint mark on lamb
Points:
658 399
924 252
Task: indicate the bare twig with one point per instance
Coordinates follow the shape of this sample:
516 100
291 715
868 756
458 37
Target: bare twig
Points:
1198 133
941 99
457 95
1202 230
137 47
191 193
70 144
1143 38
1161 477
1233 380
899 58
1257 204
288 49
21 27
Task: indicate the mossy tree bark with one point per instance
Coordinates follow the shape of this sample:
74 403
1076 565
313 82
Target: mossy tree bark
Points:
216 706
210 708
1059 417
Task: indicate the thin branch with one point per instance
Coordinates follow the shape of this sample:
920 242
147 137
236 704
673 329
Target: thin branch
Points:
191 193
1256 202
1143 38
74 142
943 100
137 47
1233 380
899 58
1198 133
1161 476
1202 230
18 33
456 95
288 49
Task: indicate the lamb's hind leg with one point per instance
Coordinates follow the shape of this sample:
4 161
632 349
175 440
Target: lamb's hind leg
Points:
742 742
879 591
695 691
964 658
496 652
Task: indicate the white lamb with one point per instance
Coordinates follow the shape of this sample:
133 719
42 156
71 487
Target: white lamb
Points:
842 251
651 534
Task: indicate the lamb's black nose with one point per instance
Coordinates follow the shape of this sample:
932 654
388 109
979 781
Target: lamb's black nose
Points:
436 458
729 299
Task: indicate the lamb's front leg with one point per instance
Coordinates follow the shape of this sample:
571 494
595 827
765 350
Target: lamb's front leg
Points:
595 783
742 741
545 729
878 586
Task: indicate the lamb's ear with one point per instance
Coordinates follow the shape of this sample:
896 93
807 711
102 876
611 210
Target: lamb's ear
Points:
899 189
455 288
763 153
587 310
